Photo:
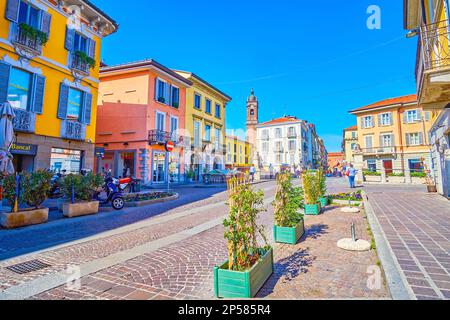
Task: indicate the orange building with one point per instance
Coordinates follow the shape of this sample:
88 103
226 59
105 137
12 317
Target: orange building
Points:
142 106
335 159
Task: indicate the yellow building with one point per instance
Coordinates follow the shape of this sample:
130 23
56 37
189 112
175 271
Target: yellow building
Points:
239 153
350 142
429 20
393 134
205 127
49 66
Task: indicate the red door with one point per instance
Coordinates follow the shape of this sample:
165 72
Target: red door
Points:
387 164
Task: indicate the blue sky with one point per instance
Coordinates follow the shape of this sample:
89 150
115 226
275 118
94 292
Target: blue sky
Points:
313 59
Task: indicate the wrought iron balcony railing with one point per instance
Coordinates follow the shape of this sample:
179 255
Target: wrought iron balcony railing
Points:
161 137
20 38
73 130
77 64
25 121
434 40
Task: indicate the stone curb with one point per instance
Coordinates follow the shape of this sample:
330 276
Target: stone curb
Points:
398 286
150 202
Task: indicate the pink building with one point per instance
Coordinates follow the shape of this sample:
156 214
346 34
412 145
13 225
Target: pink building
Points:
141 106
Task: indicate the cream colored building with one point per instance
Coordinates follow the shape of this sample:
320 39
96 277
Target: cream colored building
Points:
350 142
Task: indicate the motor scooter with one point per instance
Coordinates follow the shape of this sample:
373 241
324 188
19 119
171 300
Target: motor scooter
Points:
114 189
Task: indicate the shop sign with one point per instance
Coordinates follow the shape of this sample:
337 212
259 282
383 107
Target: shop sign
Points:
24 149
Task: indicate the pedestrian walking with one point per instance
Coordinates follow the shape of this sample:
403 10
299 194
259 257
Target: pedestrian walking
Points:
252 172
351 174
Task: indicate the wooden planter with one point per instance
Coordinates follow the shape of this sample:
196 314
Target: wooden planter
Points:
289 235
324 201
396 180
24 218
312 209
431 189
71 210
245 284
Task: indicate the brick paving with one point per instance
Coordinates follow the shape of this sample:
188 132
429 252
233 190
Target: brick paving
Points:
417 227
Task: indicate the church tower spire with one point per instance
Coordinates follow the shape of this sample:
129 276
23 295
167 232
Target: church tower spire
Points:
252 122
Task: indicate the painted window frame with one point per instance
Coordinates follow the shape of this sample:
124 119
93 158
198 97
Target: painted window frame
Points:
199 107
80 112
30 87
158 112
210 106
218 110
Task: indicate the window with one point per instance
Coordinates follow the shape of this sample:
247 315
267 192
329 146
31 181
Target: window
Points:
75 104
197 101
218 138
414 139
368 141
240 149
173 127
65 161
354 135
196 133
278 133
385 119
372 165
386 140
80 43
278 147
29 15
162 91
353 146
412 116
19 89
265 147
207 132
208 106
292 132
292 145
415 165
252 112
218 113
229 158
160 121
265 134
278 158
367 122
175 97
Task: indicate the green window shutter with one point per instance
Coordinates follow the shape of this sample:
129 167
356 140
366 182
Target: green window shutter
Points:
70 39
46 20
38 93
5 71
12 10
87 108
63 101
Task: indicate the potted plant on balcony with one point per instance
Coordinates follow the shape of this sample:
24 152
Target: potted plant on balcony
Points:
249 263
79 191
84 59
322 185
311 190
27 188
35 35
289 223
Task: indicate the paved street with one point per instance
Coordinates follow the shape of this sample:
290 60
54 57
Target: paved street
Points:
172 256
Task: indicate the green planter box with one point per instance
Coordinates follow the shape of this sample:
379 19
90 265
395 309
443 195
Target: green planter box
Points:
312 209
323 202
245 284
289 235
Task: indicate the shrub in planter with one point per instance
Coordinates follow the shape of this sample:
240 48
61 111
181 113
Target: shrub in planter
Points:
79 191
311 190
289 224
249 264
372 173
33 191
322 181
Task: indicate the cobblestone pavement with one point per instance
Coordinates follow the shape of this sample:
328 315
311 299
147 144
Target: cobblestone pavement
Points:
315 268
417 227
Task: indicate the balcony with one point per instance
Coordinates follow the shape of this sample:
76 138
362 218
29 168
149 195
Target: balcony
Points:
379 151
78 65
25 45
73 130
161 137
25 121
433 65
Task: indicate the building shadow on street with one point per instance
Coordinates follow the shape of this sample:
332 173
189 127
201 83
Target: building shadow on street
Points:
315 231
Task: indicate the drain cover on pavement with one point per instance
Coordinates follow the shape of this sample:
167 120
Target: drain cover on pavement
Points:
27 267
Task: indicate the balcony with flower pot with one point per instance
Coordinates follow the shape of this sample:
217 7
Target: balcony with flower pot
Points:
81 64
27 40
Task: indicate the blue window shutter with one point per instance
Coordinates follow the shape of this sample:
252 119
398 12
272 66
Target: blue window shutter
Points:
157 96
5 71
12 10
38 93
70 39
167 93
87 108
92 45
46 20
63 101
170 95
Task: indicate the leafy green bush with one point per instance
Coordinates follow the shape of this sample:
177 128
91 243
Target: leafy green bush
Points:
322 181
311 187
9 190
84 186
418 174
372 173
84 58
34 34
288 202
241 228
393 174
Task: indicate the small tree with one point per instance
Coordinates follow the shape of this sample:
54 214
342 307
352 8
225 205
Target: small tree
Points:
311 187
36 187
322 181
9 191
288 202
82 187
241 226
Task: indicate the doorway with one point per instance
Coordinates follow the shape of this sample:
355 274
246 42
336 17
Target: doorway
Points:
387 165
159 167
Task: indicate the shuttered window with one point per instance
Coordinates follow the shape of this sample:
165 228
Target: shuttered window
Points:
74 105
19 89
22 12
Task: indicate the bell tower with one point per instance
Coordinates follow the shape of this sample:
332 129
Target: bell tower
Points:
252 118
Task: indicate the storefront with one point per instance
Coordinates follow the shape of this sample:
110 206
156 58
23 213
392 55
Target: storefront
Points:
24 155
66 161
118 163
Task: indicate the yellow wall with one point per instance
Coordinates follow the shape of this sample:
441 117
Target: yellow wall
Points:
200 115
244 157
55 71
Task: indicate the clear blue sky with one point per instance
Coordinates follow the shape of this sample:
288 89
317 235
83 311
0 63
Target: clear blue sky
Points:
313 59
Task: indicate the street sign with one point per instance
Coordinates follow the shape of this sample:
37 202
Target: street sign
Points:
170 146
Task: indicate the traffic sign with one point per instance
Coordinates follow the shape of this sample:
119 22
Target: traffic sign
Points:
170 146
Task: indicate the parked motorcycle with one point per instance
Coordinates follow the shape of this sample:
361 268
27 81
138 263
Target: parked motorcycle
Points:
114 189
